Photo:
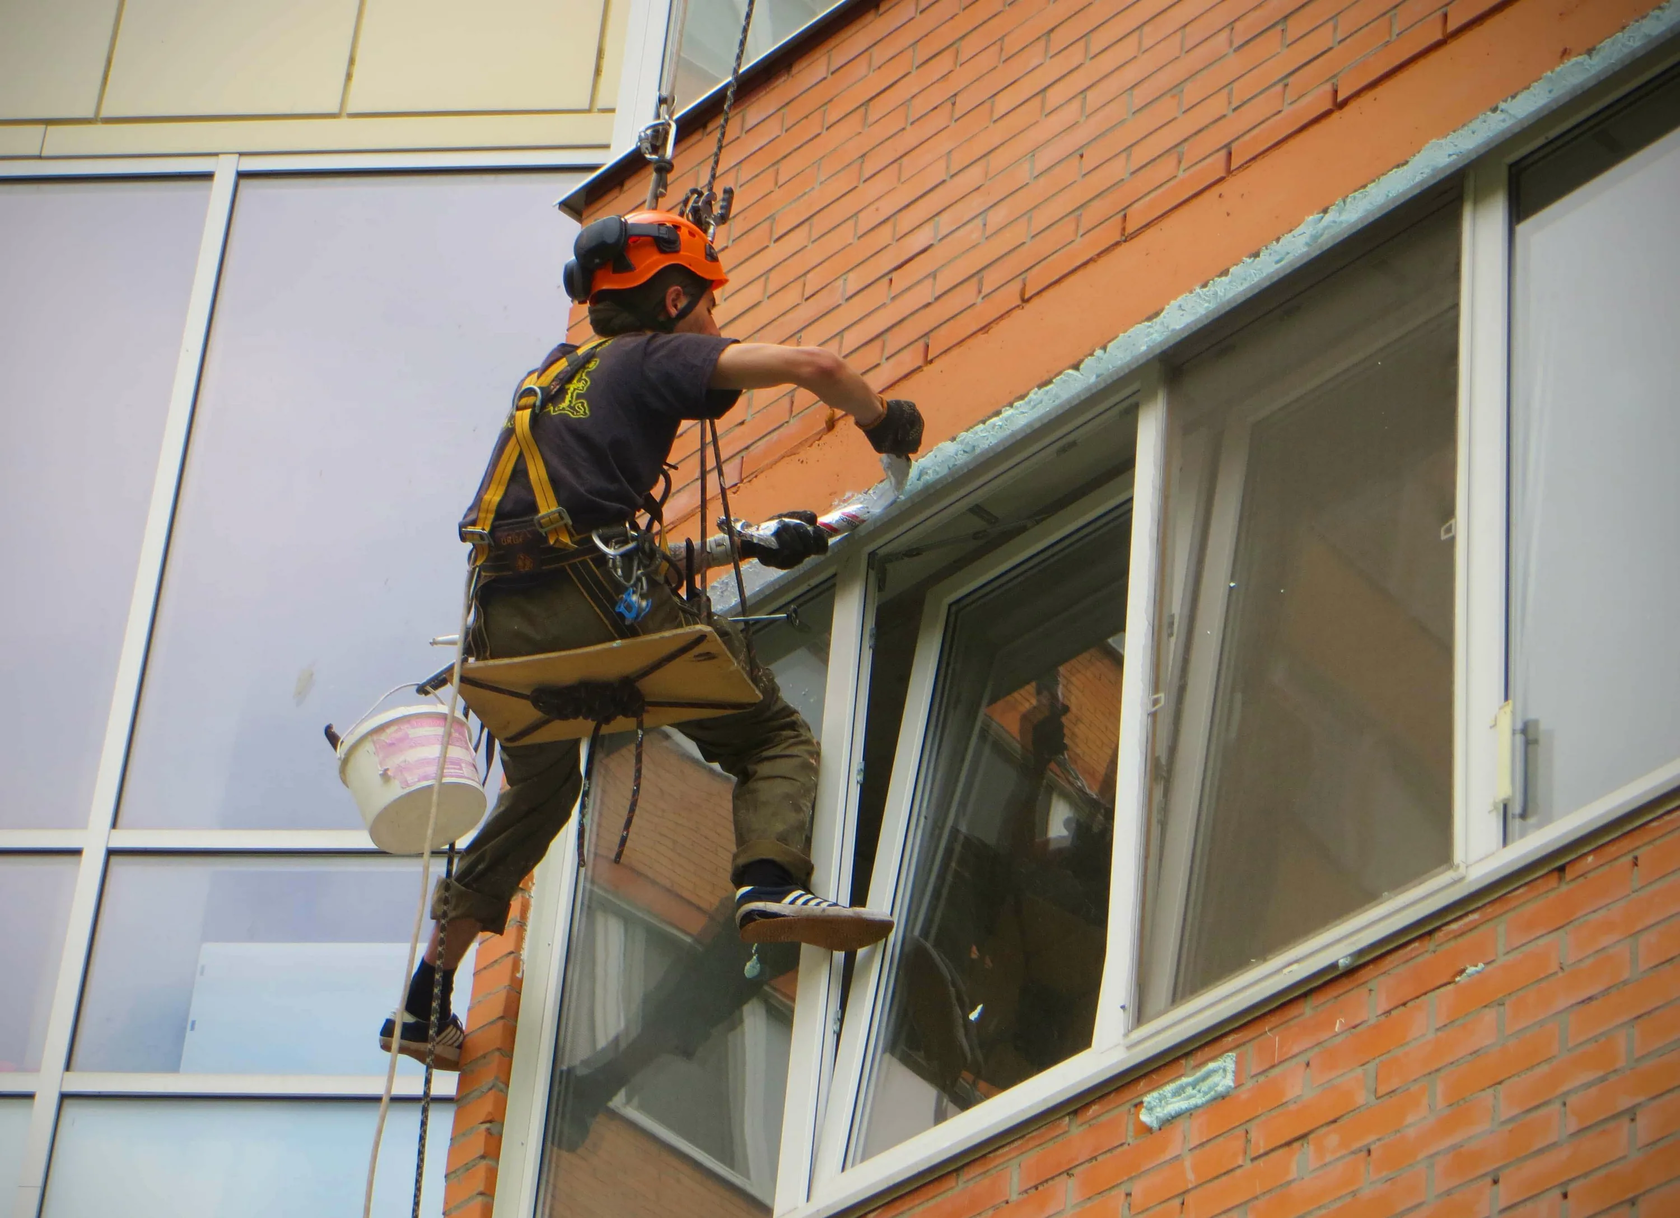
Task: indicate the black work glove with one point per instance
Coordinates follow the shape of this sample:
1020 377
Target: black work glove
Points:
899 433
785 540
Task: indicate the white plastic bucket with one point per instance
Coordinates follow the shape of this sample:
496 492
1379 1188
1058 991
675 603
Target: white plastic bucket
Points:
389 762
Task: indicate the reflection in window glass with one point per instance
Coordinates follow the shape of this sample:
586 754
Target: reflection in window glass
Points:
1008 503
35 895
14 1128
1004 916
1304 752
178 1158
713 30
94 280
672 1063
368 333
1595 438
211 966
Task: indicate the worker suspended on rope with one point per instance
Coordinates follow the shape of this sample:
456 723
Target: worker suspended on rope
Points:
563 562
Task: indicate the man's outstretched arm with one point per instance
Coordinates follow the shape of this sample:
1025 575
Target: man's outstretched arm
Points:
765 365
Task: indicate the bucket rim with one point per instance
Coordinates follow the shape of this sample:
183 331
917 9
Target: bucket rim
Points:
371 723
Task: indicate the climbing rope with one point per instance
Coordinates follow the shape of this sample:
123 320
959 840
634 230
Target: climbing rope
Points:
707 195
432 1026
420 909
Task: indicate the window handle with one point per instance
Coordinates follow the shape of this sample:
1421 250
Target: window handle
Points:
1530 736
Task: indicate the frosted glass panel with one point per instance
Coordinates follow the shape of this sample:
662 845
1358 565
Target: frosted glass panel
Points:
94 280
173 1158
35 893
368 336
214 966
1595 444
713 30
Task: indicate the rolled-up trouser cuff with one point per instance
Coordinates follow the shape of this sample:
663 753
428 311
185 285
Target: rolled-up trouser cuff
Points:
772 851
490 912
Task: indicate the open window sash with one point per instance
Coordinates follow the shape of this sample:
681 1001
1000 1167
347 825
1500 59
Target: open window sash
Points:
905 840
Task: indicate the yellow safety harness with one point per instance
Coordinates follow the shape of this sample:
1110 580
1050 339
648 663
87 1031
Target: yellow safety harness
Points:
516 444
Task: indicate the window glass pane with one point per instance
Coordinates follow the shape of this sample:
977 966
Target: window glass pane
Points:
94 280
1003 906
713 30
248 966
1304 750
178 1158
35 893
672 1062
1007 504
368 334
14 1128
1595 437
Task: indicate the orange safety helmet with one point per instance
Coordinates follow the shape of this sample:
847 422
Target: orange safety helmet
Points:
623 251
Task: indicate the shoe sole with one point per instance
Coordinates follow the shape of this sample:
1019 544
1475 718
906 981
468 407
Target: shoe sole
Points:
844 933
444 1057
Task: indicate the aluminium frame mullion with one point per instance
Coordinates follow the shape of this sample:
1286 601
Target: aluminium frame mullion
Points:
536 1040
845 693
125 695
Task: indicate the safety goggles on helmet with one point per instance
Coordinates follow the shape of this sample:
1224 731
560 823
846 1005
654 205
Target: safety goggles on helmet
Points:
619 252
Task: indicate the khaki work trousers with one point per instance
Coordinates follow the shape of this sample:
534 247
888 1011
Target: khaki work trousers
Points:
769 750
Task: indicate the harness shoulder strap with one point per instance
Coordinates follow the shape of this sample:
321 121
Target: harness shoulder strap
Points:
536 389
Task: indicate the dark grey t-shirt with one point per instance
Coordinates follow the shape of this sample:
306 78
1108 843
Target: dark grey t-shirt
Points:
606 435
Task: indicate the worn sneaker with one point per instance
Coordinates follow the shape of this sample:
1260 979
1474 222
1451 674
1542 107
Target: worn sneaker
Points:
767 914
446 1051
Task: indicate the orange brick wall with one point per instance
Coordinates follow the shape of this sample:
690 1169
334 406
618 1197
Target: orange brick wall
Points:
1523 1060
965 197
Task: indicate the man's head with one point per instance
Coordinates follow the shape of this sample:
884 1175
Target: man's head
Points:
650 270
675 300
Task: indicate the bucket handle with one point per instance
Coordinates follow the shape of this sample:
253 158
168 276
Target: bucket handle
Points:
334 737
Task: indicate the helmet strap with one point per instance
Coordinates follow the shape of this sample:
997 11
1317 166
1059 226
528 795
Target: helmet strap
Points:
692 303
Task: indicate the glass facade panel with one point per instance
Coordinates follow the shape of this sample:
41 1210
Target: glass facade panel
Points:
368 335
713 30
1003 906
94 281
673 1055
35 893
248 965
1595 436
14 1128
181 1158
1304 750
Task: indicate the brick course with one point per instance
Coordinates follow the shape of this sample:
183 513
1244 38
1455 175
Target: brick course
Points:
923 175
1504 1121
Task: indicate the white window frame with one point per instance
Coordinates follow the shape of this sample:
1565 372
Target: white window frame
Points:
1495 755
1187 787
94 845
